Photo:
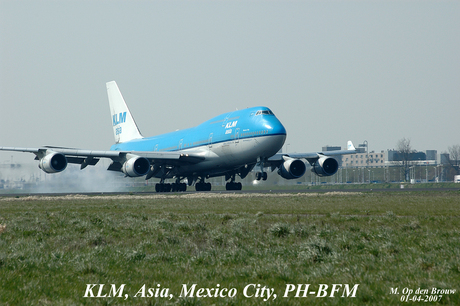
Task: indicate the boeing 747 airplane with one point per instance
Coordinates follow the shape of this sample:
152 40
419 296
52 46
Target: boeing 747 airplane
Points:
228 145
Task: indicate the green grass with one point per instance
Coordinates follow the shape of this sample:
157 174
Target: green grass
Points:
51 248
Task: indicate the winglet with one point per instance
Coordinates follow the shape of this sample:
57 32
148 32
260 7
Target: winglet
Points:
350 146
124 126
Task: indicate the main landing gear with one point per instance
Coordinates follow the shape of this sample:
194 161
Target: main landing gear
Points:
202 186
174 187
232 185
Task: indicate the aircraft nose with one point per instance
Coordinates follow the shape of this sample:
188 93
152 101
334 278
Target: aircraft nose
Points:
278 128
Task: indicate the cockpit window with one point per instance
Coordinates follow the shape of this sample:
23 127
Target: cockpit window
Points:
264 112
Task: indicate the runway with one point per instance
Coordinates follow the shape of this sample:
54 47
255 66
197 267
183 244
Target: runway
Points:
239 193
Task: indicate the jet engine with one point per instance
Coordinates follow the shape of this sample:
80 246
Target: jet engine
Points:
53 163
325 166
136 166
292 169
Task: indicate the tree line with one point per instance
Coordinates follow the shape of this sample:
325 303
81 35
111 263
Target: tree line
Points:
405 159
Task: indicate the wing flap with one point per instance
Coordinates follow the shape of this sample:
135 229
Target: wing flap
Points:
82 160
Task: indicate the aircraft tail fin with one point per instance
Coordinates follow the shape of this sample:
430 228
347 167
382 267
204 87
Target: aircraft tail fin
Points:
350 146
124 126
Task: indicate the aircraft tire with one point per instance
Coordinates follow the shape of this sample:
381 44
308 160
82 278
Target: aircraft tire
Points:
167 187
158 187
178 187
203 186
233 186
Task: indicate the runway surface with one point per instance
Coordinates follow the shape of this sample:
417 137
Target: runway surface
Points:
240 193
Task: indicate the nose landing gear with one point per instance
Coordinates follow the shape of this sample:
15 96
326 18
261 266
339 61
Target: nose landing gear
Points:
261 176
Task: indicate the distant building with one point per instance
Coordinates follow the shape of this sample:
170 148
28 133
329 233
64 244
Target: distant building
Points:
361 148
431 155
386 158
362 159
394 156
445 158
10 166
331 148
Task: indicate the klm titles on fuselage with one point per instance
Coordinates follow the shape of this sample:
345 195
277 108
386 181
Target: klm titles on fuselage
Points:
119 118
231 124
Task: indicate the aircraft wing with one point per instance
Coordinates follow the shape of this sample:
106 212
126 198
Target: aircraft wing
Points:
91 157
312 157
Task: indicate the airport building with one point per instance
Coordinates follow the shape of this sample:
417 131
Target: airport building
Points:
386 158
445 158
429 157
364 159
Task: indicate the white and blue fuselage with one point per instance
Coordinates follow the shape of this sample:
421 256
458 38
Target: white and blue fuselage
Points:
226 142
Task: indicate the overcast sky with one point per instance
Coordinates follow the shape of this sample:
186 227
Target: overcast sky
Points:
330 70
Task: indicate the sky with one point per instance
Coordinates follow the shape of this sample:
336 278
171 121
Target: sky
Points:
331 71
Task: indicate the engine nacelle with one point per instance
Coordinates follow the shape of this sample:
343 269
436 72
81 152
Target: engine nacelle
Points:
136 166
53 163
292 169
325 166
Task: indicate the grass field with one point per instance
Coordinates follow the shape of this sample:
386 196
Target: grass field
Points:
51 248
